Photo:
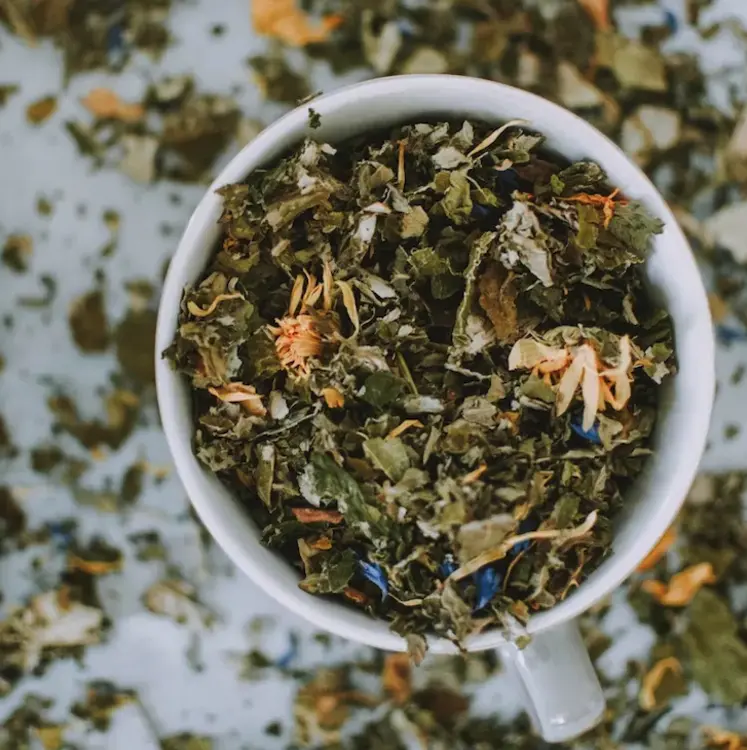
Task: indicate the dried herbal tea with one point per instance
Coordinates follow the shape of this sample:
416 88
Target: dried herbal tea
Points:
175 132
90 34
426 363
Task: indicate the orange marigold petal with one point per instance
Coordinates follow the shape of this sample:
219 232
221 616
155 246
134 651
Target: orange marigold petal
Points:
723 739
658 552
652 680
285 21
238 393
474 475
94 567
317 515
322 543
598 11
106 104
396 677
355 596
404 426
682 586
333 398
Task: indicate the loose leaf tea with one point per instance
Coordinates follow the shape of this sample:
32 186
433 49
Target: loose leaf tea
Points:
425 362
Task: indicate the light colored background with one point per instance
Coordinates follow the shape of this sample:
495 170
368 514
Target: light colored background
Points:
146 652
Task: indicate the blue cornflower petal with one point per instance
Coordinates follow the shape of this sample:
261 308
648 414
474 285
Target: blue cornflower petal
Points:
375 573
115 44
406 28
480 212
591 435
527 525
447 567
60 533
287 658
488 583
508 180
729 334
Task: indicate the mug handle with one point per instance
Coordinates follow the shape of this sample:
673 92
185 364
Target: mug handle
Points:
564 697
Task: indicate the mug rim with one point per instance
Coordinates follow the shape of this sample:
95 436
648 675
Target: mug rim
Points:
332 616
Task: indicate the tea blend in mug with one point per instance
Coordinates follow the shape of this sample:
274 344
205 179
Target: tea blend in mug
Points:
426 363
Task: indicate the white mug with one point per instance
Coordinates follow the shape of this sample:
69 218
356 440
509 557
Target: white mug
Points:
564 695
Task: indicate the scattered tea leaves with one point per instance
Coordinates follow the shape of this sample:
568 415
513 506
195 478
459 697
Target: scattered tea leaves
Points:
177 600
17 251
88 321
717 655
91 36
134 341
53 624
41 110
7 90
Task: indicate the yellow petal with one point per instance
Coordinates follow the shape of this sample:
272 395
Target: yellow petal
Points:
327 283
348 299
401 166
590 388
568 385
199 312
312 296
619 376
296 294
494 136
238 393
529 353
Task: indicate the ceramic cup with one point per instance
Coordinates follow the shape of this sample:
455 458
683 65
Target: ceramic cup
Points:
563 693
